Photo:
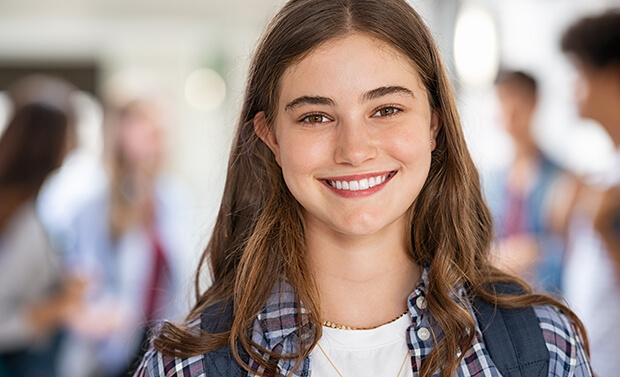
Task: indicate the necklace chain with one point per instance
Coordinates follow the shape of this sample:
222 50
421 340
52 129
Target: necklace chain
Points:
345 327
340 374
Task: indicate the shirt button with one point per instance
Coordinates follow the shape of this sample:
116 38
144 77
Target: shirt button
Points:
421 302
423 333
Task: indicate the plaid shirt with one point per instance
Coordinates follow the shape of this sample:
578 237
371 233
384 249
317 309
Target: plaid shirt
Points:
276 329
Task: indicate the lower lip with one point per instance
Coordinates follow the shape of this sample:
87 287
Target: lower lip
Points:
359 193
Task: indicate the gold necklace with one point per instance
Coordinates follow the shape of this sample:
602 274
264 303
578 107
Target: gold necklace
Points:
340 374
345 327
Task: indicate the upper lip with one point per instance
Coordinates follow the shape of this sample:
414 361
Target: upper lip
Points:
357 177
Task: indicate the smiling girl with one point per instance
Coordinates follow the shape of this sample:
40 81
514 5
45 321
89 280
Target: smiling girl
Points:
353 239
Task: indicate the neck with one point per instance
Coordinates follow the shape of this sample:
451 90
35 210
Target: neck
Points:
613 130
526 150
363 281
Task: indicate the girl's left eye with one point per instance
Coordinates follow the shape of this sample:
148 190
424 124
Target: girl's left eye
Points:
315 119
386 111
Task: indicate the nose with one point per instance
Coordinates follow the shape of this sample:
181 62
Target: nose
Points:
355 143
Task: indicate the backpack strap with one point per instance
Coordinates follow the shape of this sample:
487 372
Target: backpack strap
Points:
513 337
221 362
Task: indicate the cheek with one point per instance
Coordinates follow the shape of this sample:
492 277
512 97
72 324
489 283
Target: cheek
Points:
300 157
409 143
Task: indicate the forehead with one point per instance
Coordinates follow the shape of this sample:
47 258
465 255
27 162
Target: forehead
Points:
356 61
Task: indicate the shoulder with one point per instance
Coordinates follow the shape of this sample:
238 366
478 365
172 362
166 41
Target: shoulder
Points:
24 232
156 364
566 351
220 362
25 218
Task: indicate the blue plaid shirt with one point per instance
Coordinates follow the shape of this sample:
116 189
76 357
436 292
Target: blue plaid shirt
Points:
276 329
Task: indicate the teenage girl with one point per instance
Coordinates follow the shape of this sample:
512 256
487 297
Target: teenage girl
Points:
353 238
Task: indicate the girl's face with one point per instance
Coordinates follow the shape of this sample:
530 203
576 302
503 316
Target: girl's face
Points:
353 134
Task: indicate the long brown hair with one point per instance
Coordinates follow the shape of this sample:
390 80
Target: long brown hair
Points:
259 236
35 140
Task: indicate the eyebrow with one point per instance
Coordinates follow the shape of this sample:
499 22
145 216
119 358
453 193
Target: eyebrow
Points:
308 100
370 95
386 90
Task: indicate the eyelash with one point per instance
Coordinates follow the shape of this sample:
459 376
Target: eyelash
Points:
305 118
394 107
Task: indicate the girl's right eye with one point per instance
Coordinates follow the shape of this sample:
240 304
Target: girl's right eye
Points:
315 119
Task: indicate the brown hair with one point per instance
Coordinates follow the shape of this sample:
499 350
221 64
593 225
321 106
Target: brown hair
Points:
35 140
523 80
259 237
595 40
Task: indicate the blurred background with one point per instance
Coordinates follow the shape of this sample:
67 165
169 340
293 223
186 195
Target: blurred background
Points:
189 58
197 51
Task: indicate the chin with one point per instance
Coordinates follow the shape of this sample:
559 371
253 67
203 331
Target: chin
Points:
363 228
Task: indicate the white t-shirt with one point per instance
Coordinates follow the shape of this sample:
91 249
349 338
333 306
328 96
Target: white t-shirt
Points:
364 353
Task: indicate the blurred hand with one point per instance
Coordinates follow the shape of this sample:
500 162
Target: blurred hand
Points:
51 312
99 319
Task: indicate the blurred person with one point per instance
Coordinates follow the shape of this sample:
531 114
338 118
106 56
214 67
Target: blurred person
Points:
592 274
521 196
36 297
131 238
81 173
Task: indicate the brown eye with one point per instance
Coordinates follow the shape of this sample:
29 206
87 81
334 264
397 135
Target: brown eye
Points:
386 111
315 119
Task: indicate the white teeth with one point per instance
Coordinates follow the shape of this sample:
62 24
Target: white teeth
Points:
362 184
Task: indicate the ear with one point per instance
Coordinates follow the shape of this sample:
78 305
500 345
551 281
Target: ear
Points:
266 134
435 127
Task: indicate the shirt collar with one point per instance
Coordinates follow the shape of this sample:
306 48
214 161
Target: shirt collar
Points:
458 294
278 319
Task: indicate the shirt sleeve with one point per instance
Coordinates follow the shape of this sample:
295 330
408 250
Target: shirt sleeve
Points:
29 273
567 356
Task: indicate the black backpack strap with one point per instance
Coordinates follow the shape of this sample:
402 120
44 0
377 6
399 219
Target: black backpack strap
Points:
221 362
513 337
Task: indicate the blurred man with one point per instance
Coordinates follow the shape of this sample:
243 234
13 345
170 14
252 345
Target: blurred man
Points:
592 275
521 195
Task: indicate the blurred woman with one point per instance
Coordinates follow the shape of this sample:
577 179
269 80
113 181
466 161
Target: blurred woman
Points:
131 239
35 300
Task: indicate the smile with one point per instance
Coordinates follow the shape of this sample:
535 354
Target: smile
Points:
359 184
